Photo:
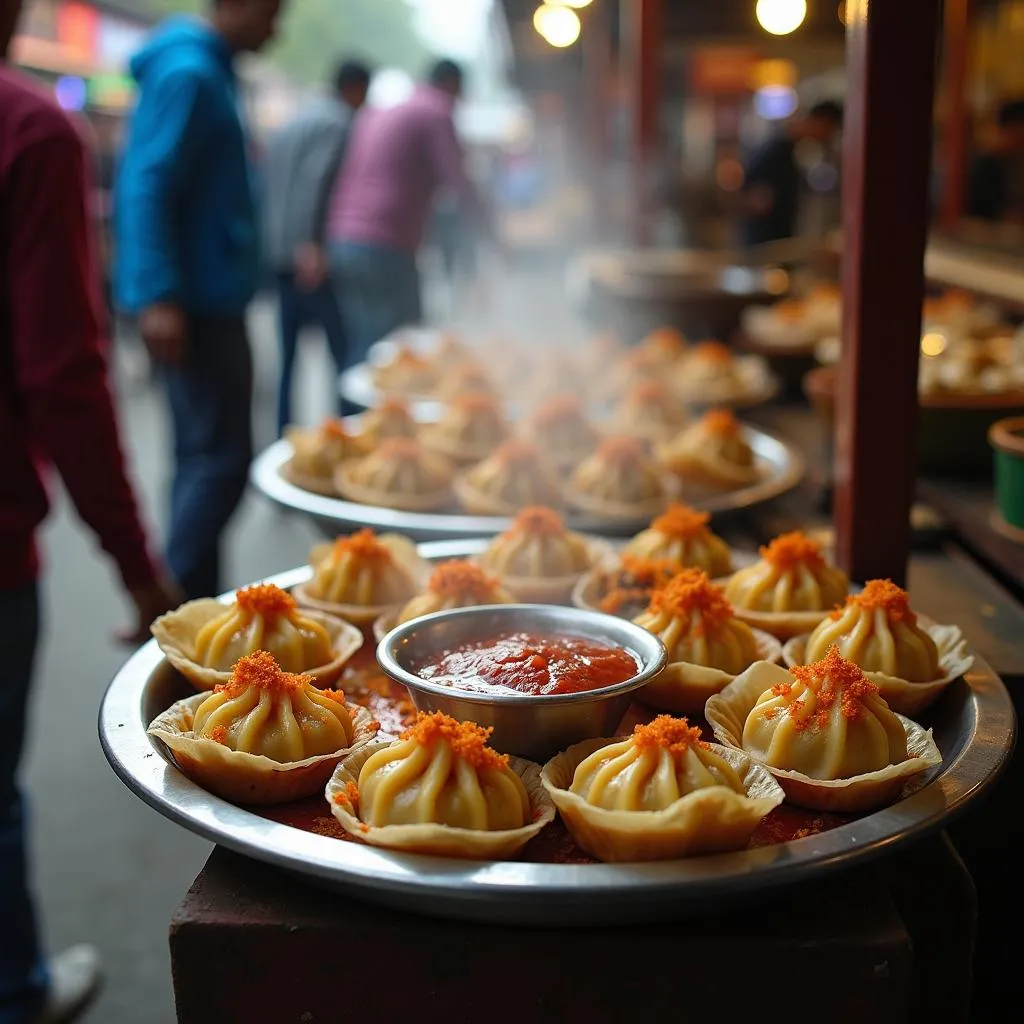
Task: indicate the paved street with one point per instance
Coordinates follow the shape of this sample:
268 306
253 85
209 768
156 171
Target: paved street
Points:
110 870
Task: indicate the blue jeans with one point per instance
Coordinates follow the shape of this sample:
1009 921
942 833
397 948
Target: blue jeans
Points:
23 977
297 309
211 407
379 291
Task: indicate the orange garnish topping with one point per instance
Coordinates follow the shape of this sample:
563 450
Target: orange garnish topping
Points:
261 670
681 521
265 599
790 310
831 679
218 734
409 357
333 429
621 449
460 579
467 739
517 452
884 594
401 448
790 550
720 422
674 735
539 521
666 340
713 352
648 392
692 591
655 572
362 546
352 793
476 402
558 408
394 406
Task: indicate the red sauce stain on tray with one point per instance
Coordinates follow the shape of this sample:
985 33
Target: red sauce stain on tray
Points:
531 663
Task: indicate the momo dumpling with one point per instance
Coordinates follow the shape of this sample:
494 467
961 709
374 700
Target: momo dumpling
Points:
711 453
792 576
537 545
391 418
263 618
695 622
650 411
560 426
442 772
681 534
318 451
407 373
265 711
470 429
652 769
827 722
878 631
625 588
364 569
455 584
517 474
618 479
400 474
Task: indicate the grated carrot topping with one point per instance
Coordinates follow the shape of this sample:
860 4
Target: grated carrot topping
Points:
265 599
791 550
790 310
352 793
261 671
461 580
655 572
831 679
650 392
713 352
517 452
218 734
392 405
617 450
720 422
692 591
666 340
333 429
539 521
478 403
674 735
681 521
407 357
467 739
363 546
558 409
884 594
403 449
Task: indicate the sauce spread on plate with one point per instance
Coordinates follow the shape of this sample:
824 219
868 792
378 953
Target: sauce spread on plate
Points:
531 663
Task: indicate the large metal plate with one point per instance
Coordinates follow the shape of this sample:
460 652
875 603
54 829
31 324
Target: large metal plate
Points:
973 725
784 469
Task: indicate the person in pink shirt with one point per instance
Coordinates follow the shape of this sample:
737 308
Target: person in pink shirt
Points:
397 161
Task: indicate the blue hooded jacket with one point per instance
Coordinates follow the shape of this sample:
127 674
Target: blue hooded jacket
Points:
185 219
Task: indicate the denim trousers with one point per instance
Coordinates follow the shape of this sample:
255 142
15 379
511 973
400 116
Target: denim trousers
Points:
379 291
210 398
298 308
23 978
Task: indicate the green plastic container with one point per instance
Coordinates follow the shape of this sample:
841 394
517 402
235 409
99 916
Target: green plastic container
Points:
1007 439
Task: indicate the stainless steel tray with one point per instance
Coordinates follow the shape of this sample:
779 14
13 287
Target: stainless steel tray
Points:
783 463
973 724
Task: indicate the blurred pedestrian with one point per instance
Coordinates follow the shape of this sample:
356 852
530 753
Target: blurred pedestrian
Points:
398 159
996 188
187 255
55 408
300 167
771 185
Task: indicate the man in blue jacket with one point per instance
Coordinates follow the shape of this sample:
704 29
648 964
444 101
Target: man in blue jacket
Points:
187 250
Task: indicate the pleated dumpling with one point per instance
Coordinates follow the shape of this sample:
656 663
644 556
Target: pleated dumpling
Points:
561 427
650 411
681 534
791 589
391 418
516 475
456 584
318 451
441 789
618 481
878 631
539 558
711 454
265 711
624 588
696 624
400 474
827 722
652 769
471 427
708 364
263 618
357 576
408 373
664 346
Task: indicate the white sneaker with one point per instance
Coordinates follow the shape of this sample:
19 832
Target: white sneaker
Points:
75 978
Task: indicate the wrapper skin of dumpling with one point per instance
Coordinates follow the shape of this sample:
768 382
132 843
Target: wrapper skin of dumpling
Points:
685 687
359 493
549 589
403 550
727 714
711 820
244 778
439 840
176 632
902 695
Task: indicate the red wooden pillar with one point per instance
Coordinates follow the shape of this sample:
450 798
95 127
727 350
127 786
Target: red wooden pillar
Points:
957 15
643 25
890 61
597 70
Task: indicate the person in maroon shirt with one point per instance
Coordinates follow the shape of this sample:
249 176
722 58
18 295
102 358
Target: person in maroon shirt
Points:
55 409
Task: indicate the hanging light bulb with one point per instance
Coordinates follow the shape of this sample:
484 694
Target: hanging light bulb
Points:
780 17
557 24
573 3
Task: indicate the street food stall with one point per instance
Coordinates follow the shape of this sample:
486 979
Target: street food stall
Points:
641 716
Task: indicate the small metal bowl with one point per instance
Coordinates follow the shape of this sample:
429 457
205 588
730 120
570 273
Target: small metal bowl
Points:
533 727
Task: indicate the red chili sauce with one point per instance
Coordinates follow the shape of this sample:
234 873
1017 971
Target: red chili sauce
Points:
533 663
